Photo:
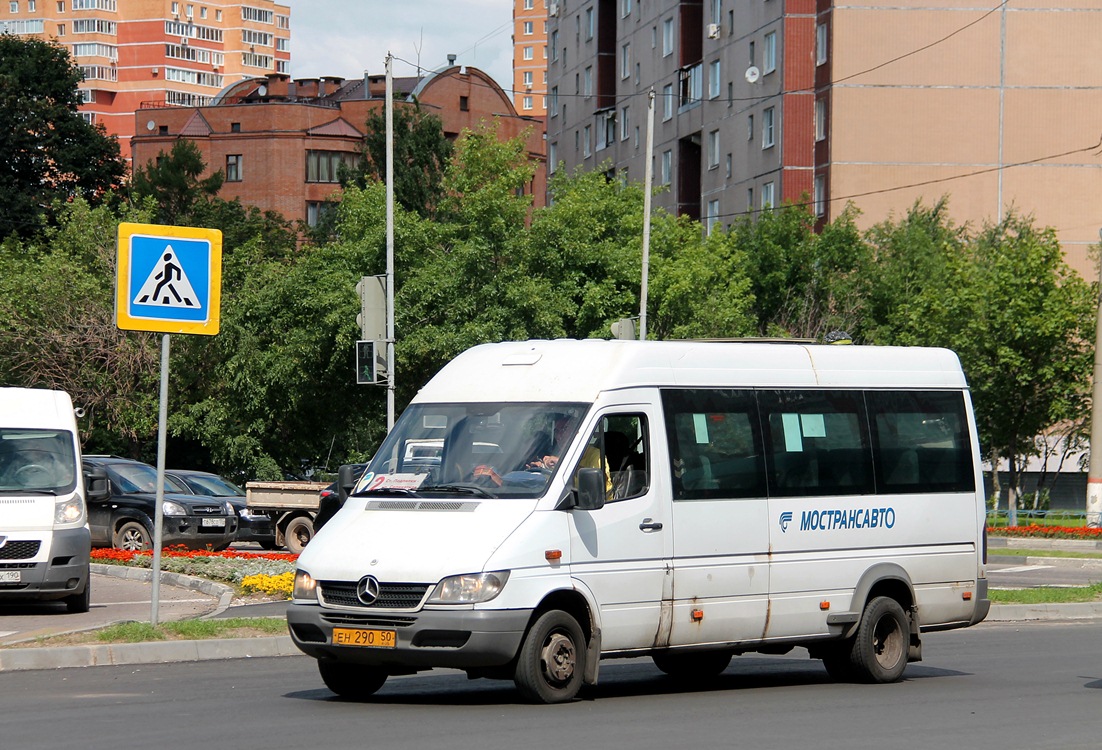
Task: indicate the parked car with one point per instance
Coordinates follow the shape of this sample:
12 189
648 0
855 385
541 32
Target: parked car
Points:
251 527
125 520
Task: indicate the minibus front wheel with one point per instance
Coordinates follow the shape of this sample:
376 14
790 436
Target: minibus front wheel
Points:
551 663
351 681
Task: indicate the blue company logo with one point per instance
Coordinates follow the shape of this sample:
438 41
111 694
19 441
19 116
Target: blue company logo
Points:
833 519
786 518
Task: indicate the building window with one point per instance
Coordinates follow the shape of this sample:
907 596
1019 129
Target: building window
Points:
625 61
464 104
625 8
13 6
324 166
820 119
552 157
711 217
316 211
667 102
625 130
554 101
527 77
233 168
728 165
820 195
590 23
555 45
769 56
749 127
587 81
714 84
767 128
235 127
767 195
820 44
749 200
218 15
527 53
31 6
717 12
654 37
587 147
528 28
713 149
667 37
666 173
61 6
527 102
529 4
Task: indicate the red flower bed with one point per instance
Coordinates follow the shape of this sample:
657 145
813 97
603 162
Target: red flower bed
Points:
124 556
1048 532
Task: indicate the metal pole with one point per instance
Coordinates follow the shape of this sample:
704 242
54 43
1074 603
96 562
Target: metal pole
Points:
389 242
648 181
159 513
1094 473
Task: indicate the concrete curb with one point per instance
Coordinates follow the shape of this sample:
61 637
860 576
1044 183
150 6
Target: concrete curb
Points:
1028 612
221 591
161 652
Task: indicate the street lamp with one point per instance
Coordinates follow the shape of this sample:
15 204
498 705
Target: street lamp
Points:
1094 474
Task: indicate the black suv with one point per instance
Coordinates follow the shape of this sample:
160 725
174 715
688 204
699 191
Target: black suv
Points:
125 520
251 527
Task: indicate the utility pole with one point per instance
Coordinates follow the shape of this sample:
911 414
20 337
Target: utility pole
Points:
389 242
1094 473
648 181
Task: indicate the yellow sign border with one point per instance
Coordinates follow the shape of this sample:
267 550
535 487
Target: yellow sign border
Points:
123 319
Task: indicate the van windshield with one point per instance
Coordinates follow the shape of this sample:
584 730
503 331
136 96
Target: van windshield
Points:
37 460
484 449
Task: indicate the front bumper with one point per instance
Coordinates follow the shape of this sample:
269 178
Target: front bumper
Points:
462 639
64 574
189 532
258 529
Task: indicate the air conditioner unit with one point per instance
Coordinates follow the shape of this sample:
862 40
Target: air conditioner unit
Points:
713 31
553 10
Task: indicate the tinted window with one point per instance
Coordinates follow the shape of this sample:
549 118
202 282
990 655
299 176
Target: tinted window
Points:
714 444
816 443
922 442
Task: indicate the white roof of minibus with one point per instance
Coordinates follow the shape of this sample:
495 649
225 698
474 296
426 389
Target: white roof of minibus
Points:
36 408
573 370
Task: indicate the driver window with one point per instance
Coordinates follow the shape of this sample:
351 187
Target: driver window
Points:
621 446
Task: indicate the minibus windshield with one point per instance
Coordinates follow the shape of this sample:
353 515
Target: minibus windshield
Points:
508 450
37 460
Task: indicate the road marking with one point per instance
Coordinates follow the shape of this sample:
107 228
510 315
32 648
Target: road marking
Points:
166 601
1021 568
6 633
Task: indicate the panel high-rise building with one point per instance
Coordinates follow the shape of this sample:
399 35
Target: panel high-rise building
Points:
879 103
136 53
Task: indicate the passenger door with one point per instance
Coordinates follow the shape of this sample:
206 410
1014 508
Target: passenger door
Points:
621 552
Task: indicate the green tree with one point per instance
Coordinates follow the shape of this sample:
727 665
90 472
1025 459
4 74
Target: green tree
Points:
175 183
50 153
421 157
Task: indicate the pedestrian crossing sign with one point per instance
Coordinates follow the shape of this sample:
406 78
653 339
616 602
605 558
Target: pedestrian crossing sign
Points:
169 279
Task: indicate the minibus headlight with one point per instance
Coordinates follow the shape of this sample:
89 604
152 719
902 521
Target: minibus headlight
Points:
305 586
173 509
469 589
69 511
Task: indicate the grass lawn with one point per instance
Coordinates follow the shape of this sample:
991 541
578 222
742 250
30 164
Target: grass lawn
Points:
1046 595
180 630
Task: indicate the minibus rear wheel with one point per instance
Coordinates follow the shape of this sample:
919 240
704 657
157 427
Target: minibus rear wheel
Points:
551 663
351 681
883 636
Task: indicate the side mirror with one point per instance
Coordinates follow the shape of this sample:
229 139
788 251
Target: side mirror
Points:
346 482
97 487
591 489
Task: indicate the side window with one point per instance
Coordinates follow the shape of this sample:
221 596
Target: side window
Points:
621 446
715 446
922 442
817 443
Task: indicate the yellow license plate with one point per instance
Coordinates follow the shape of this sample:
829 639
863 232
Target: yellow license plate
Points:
364 637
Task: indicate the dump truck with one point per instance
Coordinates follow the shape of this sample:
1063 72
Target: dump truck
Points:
292 506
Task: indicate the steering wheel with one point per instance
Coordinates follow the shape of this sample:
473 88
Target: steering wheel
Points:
28 473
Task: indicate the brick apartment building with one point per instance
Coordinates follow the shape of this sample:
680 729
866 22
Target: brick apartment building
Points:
280 141
881 103
137 51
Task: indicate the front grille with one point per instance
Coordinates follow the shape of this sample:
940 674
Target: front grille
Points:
18 566
391 595
207 510
365 620
20 550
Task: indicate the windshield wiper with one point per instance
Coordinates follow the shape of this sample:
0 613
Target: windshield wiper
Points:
465 489
28 492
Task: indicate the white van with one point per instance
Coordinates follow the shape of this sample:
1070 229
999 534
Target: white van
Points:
689 501
44 536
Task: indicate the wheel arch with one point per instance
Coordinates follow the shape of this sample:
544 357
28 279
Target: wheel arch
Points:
578 604
884 579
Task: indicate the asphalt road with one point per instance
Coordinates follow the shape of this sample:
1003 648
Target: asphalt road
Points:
991 687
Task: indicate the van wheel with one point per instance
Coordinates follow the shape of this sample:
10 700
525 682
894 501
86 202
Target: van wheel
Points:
351 681
880 648
551 663
299 532
684 665
80 603
133 537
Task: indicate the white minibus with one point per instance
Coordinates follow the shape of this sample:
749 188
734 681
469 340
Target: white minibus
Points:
687 501
44 536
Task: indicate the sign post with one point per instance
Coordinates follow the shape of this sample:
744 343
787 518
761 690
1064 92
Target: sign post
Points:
168 280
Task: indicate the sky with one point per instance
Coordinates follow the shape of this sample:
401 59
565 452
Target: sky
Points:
345 37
